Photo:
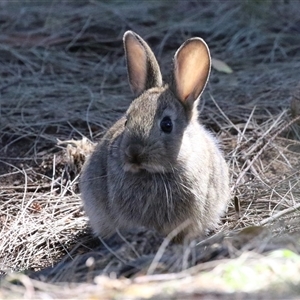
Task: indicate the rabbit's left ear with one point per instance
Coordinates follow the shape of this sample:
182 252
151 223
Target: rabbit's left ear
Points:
143 69
192 65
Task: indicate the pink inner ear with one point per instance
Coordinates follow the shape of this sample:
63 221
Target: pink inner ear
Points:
136 63
192 67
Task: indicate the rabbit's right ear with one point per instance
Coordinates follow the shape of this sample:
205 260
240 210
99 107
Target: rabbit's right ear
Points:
143 69
192 65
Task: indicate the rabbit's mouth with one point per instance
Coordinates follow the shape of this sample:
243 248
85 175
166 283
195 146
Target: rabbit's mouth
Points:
135 168
137 158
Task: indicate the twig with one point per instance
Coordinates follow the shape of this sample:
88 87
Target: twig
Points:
262 150
164 245
4 87
280 214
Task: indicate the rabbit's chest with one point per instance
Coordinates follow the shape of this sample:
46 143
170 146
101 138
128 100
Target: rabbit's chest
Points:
149 199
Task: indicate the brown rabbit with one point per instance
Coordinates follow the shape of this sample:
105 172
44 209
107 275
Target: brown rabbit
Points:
157 166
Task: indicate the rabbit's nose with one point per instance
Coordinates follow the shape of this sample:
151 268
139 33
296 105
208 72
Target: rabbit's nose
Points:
133 153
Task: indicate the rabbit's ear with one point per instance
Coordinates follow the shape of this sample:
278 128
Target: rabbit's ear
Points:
142 66
192 65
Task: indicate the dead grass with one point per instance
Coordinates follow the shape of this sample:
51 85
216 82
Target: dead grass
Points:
63 78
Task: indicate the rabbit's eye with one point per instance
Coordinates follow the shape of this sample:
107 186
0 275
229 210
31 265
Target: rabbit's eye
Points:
125 123
166 125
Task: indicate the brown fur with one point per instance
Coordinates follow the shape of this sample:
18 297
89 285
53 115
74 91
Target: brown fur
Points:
139 175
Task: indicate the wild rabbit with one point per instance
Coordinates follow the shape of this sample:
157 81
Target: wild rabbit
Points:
157 166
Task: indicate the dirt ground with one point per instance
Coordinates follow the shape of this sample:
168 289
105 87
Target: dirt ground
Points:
64 82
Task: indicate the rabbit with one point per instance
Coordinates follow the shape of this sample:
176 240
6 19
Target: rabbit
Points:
157 167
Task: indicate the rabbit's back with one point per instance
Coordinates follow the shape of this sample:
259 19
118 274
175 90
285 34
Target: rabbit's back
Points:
94 184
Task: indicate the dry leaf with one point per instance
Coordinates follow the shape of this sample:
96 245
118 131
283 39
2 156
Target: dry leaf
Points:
221 66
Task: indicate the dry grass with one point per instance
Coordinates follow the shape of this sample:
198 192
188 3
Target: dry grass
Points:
63 78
